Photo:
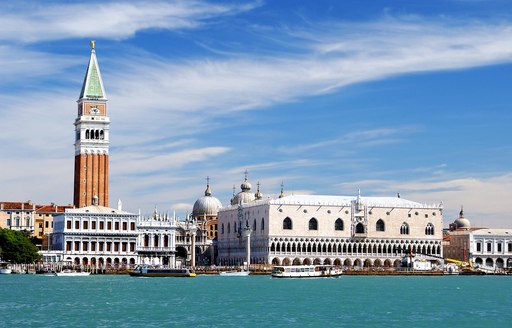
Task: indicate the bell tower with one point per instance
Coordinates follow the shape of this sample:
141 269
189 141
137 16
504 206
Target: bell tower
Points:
91 140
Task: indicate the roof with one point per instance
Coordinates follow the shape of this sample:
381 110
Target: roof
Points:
52 208
327 200
16 205
492 232
96 209
93 84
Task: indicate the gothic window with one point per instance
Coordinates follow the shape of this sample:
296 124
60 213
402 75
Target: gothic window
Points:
313 224
359 228
380 225
254 225
287 224
229 228
429 229
338 224
102 136
86 134
262 223
404 229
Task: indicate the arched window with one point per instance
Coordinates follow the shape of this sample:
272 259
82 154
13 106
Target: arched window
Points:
404 229
86 134
229 228
338 224
429 229
262 223
287 224
313 224
102 135
222 228
254 225
234 227
359 228
380 225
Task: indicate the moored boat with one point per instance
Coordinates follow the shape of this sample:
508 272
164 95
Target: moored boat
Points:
5 268
71 273
306 271
161 271
242 273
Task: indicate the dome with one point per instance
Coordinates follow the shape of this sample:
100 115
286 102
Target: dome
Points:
245 196
242 197
206 205
462 222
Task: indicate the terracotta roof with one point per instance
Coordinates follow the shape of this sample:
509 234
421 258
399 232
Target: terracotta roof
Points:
16 205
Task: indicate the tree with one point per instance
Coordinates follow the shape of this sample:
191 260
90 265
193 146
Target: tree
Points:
16 247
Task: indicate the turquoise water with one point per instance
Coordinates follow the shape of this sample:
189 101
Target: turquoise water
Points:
255 301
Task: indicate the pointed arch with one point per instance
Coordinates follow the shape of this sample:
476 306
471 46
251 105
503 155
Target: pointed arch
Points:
338 225
287 224
380 226
313 224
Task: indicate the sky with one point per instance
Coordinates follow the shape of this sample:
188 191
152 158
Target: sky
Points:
315 97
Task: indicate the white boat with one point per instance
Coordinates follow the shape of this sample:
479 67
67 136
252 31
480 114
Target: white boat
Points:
5 268
242 273
160 271
306 271
71 273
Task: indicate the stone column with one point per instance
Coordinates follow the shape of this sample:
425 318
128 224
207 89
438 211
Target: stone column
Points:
193 253
247 233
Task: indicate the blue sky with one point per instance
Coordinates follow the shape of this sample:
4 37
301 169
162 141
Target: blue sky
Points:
326 97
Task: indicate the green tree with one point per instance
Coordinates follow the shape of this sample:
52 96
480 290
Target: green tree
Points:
16 247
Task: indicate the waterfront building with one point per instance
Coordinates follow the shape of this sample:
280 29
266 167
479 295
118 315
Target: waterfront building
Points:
95 235
201 228
156 239
353 231
488 248
91 139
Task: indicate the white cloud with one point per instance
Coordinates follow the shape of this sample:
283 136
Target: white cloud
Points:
34 21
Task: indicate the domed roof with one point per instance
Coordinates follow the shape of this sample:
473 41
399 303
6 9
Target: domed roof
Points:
462 222
206 205
245 196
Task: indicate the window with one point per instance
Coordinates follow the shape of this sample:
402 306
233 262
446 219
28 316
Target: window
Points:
125 226
489 247
429 229
499 247
404 229
313 224
109 225
86 225
77 225
222 229
46 224
478 247
338 224
379 226
27 220
254 225
509 245
116 224
359 228
229 228
287 224
93 225
68 224
262 223
132 226
8 222
40 226
102 225
17 219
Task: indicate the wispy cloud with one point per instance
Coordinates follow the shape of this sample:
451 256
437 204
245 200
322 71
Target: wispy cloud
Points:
34 21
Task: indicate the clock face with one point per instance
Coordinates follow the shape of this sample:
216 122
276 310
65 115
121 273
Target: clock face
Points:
94 110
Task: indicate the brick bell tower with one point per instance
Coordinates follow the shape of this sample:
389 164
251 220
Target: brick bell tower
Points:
91 140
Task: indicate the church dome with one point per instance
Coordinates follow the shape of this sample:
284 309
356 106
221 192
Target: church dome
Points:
462 222
245 196
206 205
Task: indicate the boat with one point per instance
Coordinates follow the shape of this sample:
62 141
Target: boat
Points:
242 273
71 273
306 271
5 268
161 271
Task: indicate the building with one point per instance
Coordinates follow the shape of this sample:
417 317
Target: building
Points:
91 139
18 216
353 231
156 239
92 233
484 247
97 236
200 227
